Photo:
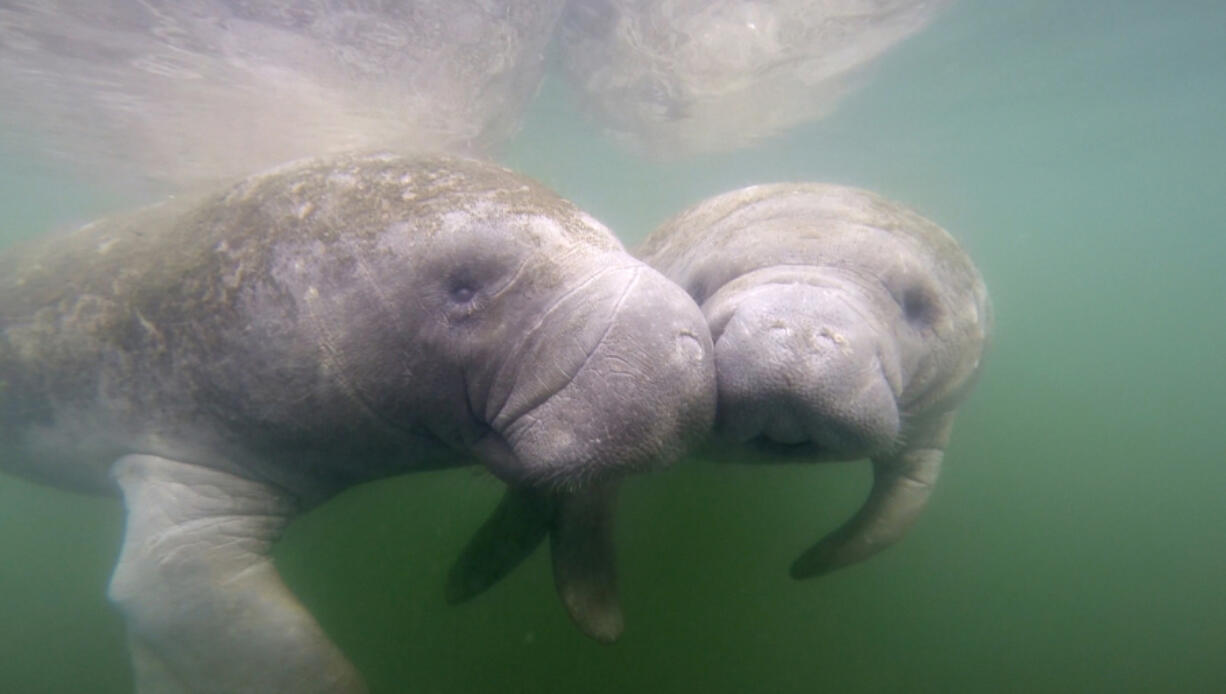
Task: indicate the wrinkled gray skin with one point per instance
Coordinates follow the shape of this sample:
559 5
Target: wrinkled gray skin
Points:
187 92
686 77
232 361
846 327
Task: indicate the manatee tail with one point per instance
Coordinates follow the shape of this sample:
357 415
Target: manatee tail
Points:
902 485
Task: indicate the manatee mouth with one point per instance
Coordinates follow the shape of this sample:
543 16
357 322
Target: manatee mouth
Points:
499 457
790 451
803 371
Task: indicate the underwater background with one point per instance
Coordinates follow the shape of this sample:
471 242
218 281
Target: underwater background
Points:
1077 538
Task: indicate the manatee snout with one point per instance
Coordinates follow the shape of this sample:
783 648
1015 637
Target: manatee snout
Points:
803 369
620 378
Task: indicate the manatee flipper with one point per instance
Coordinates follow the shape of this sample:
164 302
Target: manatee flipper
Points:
902 484
509 536
580 529
584 562
205 608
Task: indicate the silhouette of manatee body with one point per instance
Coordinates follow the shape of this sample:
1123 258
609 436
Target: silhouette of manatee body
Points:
233 360
687 77
846 327
196 92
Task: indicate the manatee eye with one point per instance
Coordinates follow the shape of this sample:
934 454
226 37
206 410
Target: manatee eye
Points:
462 293
919 306
461 288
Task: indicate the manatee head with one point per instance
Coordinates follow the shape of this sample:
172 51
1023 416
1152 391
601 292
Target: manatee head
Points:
577 360
845 327
468 304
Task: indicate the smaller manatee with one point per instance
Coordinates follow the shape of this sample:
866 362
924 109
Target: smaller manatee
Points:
846 327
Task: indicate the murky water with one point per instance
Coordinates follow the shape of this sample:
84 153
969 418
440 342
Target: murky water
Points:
1077 540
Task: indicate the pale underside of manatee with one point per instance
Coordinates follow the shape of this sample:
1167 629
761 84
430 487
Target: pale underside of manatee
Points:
684 77
846 327
176 94
229 361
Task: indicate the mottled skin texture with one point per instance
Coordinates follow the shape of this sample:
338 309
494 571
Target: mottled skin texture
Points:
846 327
232 360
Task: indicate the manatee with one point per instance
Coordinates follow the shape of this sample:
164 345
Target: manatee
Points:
846 327
683 77
197 92
228 361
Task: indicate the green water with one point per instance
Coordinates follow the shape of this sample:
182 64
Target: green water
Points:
1077 541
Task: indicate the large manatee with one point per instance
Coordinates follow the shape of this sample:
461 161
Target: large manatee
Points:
846 327
185 92
681 77
227 362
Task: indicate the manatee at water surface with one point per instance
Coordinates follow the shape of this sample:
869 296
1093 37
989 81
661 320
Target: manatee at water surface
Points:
198 91
234 359
684 77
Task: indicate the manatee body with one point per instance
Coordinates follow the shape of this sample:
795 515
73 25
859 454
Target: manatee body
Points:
200 91
686 77
846 327
234 359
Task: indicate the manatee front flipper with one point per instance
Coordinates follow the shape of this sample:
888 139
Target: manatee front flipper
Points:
584 562
205 608
580 529
902 484
509 536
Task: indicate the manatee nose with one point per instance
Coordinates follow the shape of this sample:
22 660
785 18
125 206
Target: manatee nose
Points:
785 427
693 346
795 364
640 392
